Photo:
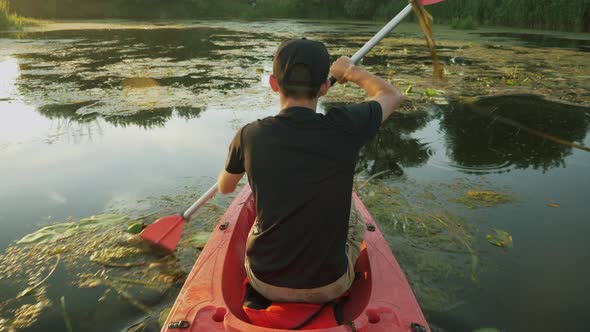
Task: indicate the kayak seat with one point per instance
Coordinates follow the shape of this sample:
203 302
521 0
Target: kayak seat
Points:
291 316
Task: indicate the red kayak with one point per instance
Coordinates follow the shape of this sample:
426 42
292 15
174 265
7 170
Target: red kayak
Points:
211 298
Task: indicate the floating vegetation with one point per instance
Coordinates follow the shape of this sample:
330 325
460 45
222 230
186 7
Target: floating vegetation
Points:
63 231
27 314
100 262
553 205
197 240
135 228
164 316
32 288
425 20
499 238
472 69
485 198
432 242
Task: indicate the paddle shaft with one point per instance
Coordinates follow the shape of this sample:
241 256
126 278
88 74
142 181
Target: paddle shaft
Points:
188 213
356 58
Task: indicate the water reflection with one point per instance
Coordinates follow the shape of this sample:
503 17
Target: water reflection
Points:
488 134
393 147
542 40
125 72
484 135
148 119
522 130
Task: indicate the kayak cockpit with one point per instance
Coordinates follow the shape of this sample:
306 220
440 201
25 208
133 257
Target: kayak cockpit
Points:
211 298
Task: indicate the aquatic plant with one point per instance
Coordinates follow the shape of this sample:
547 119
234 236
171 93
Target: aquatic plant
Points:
500 238
97 253
483 198
432 243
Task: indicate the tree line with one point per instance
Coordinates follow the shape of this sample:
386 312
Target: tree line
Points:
569 15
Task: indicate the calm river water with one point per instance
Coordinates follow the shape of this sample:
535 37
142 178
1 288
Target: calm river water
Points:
94 115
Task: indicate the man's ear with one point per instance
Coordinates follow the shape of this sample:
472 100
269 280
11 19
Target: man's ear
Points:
274 85
324 88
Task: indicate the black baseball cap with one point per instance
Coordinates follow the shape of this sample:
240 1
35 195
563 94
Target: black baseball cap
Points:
309 58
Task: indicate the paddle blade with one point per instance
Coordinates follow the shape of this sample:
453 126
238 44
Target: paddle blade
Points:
164 232
429 2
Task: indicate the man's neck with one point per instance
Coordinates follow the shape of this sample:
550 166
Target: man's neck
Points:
287 102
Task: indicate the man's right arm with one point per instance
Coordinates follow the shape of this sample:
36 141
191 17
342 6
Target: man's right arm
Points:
378 89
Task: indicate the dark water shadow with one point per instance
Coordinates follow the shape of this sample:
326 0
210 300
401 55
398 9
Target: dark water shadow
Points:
393 148
539 40
525 131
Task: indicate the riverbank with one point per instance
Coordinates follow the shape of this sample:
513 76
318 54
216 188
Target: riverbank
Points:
560 15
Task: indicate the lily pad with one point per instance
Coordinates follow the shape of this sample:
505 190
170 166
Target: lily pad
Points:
487 329
163 316
500 238
135 228
199 239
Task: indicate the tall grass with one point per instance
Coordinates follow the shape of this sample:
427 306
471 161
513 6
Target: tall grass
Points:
6 19
569 15
464 23
11 20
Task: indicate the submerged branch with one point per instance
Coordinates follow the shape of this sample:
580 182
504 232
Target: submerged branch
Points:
32 288
126 296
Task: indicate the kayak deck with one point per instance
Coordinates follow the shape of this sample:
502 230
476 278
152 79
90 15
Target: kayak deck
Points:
210 300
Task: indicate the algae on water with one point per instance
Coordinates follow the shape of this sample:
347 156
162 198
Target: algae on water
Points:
483 198
57 232
436 245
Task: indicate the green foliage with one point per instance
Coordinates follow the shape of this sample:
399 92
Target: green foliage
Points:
10 20
465 23
359 8
6 18
572 15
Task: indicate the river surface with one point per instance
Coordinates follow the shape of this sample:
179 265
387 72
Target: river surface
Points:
96 115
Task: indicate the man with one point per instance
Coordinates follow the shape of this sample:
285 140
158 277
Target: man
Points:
300 166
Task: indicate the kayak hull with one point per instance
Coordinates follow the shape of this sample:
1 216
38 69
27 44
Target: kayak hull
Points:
210 300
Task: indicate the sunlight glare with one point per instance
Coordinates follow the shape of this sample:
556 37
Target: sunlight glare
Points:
9 72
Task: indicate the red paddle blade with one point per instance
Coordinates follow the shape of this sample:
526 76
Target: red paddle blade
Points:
429 2
164 232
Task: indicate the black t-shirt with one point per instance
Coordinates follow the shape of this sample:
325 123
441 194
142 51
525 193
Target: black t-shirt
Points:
300 165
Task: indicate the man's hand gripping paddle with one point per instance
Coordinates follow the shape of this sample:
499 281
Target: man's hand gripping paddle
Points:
356 58
166 231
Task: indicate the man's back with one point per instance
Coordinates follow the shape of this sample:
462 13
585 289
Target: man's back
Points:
300 166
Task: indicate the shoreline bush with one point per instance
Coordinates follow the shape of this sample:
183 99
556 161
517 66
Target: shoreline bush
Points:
464 23
565 15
